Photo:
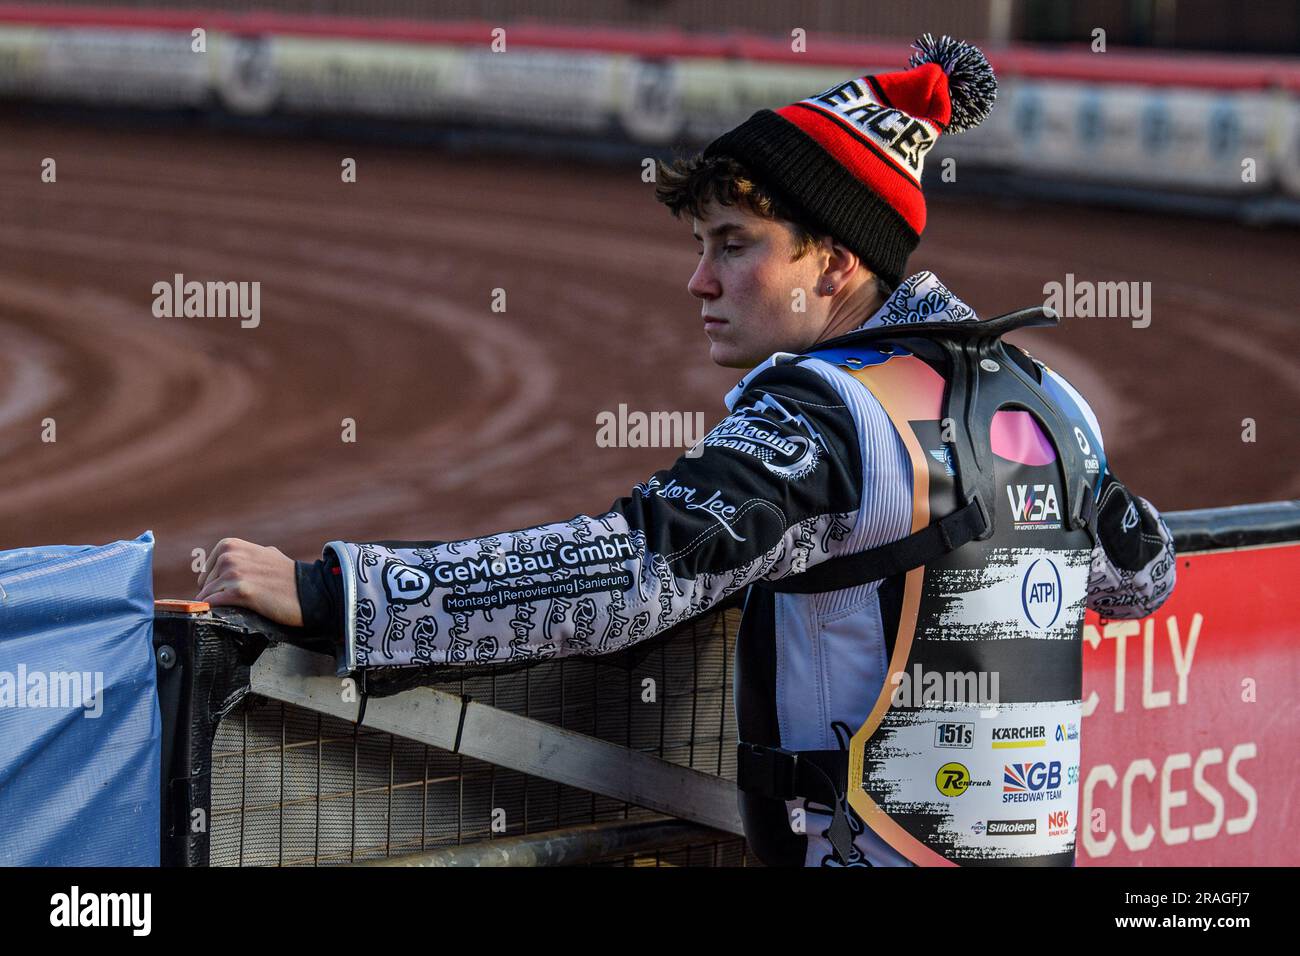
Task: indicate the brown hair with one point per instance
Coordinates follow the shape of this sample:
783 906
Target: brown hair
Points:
688 185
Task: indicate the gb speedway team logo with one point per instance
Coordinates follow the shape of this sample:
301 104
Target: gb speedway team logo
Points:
751 431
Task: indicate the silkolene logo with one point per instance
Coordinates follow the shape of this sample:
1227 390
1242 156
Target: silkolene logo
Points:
1012 827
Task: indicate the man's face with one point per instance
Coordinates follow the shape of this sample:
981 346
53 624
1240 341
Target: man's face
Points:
746 284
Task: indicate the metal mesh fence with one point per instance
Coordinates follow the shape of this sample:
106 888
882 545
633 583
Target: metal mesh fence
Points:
291 787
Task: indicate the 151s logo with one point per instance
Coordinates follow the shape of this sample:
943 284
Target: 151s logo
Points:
954 735
1031 782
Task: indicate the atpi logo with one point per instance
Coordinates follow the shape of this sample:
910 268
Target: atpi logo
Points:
1040 593
1034 507
1031 782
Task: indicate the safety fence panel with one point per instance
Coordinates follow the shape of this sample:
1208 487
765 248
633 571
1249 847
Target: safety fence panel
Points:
80 730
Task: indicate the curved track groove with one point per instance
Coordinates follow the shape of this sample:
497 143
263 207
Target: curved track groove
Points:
376 306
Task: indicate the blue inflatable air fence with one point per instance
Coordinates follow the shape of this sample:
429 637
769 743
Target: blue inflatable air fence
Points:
80 734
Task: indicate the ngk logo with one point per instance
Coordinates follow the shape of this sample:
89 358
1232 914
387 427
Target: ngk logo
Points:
1058 823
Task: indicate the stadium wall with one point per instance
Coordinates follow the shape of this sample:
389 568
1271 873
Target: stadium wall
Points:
1218 132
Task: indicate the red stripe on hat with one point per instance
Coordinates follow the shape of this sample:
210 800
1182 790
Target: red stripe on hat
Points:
863 158
921 92
848 129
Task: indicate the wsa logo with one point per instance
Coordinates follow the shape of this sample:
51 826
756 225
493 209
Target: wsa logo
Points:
1034 507
1040 593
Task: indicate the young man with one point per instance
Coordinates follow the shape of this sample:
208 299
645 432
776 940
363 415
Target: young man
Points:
805 219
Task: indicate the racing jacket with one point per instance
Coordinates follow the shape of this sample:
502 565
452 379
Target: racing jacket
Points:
806 466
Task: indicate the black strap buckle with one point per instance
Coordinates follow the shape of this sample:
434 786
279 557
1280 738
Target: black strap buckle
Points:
769 771
1085 508
986 519
775 772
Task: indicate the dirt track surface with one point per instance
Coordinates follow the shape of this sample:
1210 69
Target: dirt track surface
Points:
376 306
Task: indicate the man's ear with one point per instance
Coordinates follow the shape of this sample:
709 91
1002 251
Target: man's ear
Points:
842 263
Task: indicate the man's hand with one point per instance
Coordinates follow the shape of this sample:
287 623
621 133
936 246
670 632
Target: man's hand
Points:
244 574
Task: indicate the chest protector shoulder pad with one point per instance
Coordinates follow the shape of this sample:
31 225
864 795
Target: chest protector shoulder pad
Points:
970 754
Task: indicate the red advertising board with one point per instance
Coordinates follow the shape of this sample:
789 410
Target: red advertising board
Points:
1191 720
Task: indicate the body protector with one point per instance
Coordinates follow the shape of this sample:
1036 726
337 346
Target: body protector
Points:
970 754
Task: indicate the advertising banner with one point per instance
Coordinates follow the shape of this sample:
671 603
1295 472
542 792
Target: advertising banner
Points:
1189 753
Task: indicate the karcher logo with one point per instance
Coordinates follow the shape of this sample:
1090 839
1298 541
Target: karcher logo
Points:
1031 736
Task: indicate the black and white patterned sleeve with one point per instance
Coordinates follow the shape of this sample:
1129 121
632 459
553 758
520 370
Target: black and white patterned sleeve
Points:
772 489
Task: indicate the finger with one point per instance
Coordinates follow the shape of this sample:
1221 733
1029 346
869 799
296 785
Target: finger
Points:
229 598
221 583
209 562
216 565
